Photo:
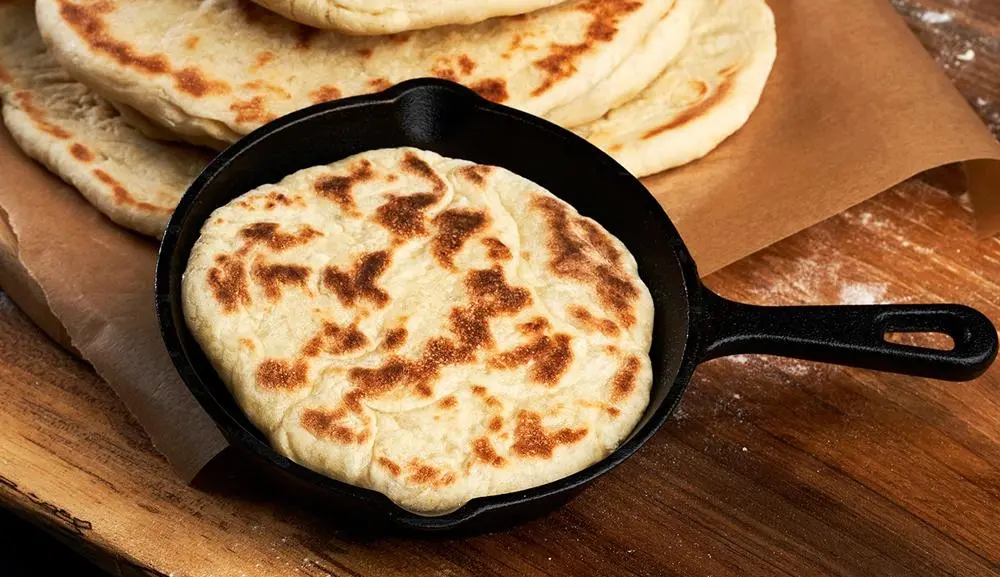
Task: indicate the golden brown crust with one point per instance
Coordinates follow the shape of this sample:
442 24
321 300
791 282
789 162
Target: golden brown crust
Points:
25 102
361 283
81 152
281 375
404 216
326 424
269 234
532 440
549 358
395 338
624 381
455 227
692 113
494 89
228 282
273 277
334 339
483 449
340 189
591 323
476 173
573 257
561 62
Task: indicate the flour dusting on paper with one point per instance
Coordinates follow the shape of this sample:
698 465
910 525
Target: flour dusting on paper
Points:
967 56
934 17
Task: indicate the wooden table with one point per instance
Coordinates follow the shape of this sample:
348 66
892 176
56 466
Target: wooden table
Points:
771 467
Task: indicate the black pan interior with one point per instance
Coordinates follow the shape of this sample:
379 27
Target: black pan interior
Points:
451 121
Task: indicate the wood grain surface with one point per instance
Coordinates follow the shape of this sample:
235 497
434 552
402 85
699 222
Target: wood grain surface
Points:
771 467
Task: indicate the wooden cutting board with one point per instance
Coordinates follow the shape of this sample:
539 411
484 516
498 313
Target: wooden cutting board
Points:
770 466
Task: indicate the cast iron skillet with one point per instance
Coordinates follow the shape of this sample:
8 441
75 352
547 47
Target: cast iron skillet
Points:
692 324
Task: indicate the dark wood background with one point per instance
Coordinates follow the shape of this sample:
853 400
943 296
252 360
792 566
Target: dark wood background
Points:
771 467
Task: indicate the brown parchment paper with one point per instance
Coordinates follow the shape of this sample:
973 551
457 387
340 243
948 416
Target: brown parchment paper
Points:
97 279
854 106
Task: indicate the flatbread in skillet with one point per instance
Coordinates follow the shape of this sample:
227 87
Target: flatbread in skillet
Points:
79 136
430 328
702 98
218 69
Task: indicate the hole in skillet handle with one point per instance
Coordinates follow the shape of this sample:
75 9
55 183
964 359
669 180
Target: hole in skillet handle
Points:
927 340
854 336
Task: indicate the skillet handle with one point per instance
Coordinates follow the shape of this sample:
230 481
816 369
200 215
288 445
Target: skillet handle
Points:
853 336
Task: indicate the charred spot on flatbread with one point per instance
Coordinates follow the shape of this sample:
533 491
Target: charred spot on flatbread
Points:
532 440
228 282
334 339
270 235
561 62
340 188
282 375
624 381
325 424
360 283
272 277
455 227
404 216
576 256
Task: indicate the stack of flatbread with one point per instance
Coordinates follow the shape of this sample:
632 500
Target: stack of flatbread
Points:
125 99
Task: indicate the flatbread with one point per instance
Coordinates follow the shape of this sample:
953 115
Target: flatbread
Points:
221 68
430 328
372 17
79 136
157 132
701 99
642 67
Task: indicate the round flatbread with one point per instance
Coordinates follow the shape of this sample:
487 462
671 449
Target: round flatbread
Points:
157 132
433 329
80 137
373 17
641 68
701 99
220 68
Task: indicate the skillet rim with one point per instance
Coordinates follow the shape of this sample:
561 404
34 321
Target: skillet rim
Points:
168 302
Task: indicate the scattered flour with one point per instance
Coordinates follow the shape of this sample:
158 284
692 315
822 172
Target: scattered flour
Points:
793 367
870 221
803 284
932 17
989 112
967 56
862 294
759 365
